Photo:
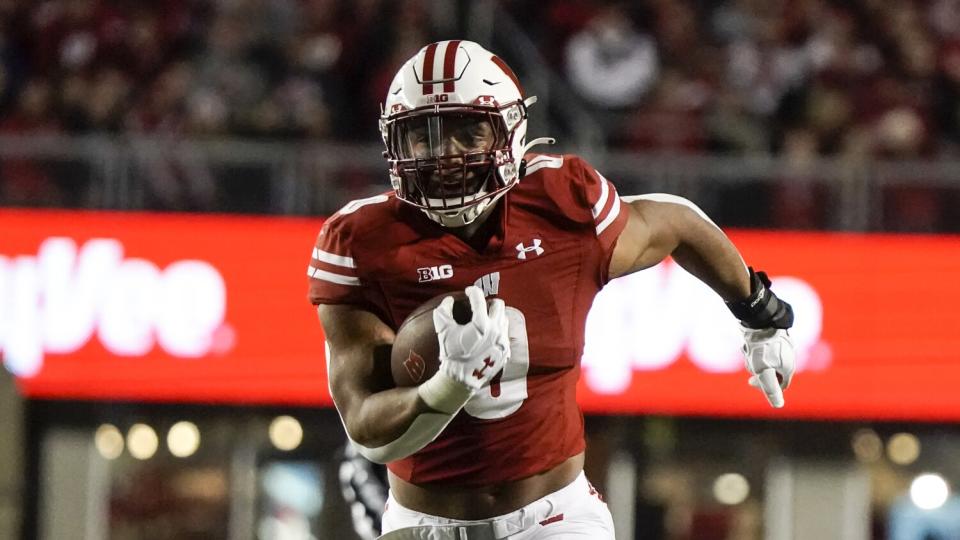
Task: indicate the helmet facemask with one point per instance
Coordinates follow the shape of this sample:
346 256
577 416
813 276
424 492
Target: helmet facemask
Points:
437 94
452 162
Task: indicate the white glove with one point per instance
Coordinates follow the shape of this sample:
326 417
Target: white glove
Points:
472 353
768 353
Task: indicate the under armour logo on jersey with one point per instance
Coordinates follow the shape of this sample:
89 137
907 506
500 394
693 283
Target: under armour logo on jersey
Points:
522 250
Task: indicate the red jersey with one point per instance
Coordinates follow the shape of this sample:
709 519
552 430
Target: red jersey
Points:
547 260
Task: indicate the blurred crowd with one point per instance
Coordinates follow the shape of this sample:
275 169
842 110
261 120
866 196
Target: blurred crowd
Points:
877 77
851 79
250 68
855 80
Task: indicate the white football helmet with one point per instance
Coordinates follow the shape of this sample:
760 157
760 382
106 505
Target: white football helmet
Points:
454 125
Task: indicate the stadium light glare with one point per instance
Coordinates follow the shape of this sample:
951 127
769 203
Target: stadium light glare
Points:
286 433
142 441
903 448
929 491
183 439
109 441
867 446
731 488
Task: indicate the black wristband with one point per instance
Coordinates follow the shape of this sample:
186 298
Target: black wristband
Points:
762 309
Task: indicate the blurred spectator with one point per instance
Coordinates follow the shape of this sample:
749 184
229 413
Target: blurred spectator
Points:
22 181
901 134
671 120
610 63
947 98
798 201
33 111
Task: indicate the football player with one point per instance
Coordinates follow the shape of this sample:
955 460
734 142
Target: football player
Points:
492 445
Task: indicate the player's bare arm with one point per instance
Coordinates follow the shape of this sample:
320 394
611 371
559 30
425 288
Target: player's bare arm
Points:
359 341
392 423
661 225
657 229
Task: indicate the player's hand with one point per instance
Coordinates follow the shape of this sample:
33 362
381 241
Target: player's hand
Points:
475 352
769 357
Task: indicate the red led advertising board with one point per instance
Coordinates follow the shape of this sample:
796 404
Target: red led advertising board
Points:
212 309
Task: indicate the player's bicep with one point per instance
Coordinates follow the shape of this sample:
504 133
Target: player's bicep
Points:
649 236
359 353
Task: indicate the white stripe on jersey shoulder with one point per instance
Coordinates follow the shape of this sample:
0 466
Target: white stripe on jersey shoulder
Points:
604 193
331 258
669 198
611 215
333 278
357 204
543 161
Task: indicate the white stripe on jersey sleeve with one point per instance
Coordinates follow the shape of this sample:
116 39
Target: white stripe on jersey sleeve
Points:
333 278
604 193
607 192
611 215
337 260
539 162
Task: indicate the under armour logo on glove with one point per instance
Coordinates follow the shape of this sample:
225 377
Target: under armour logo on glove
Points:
467 350
522 250
478 373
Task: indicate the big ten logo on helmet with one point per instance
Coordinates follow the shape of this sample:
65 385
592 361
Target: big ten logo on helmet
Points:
648 320
438 98
55 301
434 273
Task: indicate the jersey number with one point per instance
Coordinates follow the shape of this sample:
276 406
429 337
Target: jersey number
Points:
508 390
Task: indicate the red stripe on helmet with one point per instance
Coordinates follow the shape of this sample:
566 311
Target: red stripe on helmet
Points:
506 69
427 74
449 64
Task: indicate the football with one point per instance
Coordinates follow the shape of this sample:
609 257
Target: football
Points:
416 352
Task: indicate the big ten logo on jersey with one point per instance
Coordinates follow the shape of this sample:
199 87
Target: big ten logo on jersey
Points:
489 284
439 98
434 273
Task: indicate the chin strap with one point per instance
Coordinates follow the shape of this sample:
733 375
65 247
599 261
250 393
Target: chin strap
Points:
523 163
538 140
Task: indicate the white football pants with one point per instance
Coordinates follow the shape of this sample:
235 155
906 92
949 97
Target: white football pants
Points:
575 512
